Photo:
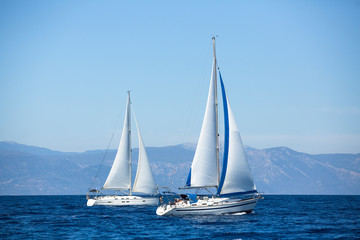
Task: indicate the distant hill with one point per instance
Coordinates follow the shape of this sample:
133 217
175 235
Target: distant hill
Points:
29 170
285 171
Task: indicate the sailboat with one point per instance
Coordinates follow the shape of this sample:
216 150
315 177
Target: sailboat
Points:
235 188
120 179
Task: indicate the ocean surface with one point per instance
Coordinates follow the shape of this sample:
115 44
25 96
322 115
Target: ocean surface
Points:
275 217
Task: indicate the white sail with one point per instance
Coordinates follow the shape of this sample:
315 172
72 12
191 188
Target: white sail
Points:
144 180
204 168
237 173
119 176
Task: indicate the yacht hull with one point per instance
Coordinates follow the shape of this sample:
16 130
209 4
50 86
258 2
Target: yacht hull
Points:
230 206
122 201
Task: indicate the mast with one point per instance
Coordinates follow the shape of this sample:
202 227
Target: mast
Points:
216 113
129 127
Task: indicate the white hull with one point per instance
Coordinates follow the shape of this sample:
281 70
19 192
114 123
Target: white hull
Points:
212 206
122 201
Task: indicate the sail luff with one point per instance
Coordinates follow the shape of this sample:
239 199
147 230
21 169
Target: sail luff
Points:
226 136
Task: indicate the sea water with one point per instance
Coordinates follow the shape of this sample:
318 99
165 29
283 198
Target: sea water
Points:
275 217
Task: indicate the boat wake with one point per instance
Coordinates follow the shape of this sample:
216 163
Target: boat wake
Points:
237 214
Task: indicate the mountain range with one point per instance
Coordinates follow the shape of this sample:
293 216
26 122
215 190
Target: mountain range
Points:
29 170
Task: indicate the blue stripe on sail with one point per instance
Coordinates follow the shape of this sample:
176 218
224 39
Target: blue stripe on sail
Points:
238 193
226 140
188 181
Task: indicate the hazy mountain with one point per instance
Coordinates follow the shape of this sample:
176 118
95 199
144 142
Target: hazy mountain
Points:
282 170
33 170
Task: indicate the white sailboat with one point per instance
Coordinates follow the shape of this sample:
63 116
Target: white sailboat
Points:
236 191
120 179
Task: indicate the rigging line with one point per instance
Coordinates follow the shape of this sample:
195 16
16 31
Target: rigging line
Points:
190 120
102 161
107 149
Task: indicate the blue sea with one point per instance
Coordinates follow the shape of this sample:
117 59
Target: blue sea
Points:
275 217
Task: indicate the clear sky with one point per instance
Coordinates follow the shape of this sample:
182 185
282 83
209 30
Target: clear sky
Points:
291 68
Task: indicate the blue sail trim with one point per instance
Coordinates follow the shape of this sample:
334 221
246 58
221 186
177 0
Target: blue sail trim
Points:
226 140
188 181
238 193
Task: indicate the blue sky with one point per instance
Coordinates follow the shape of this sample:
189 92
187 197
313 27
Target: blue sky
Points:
291 68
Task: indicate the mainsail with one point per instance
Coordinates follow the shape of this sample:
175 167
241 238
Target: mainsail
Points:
204 168
119 176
